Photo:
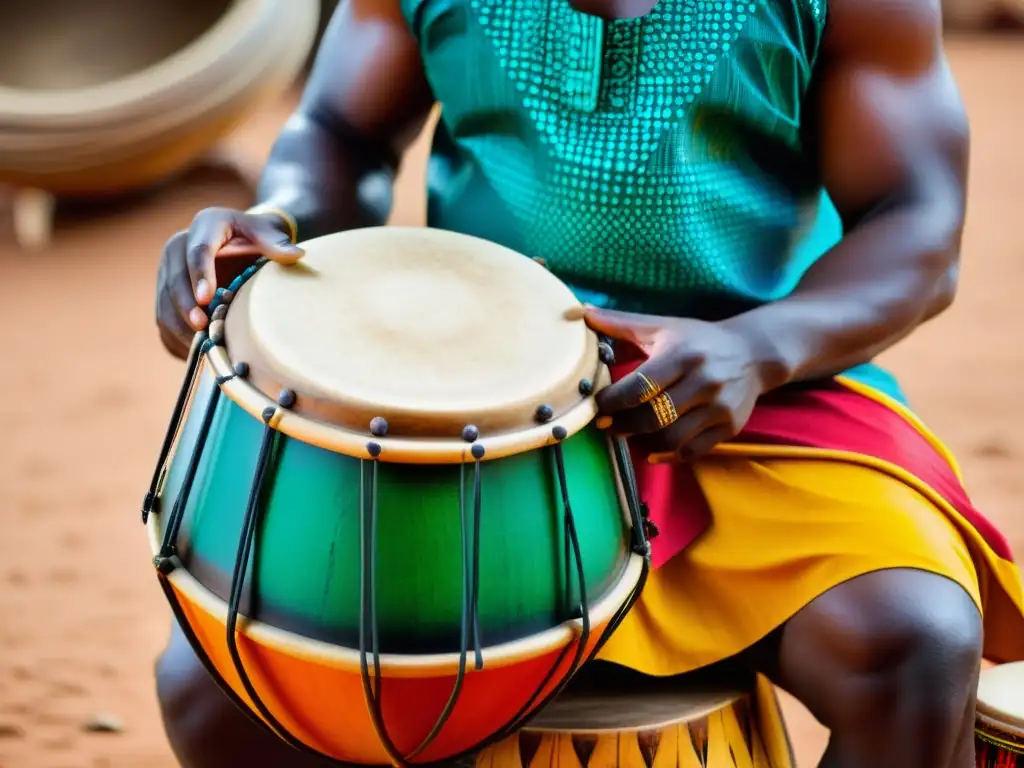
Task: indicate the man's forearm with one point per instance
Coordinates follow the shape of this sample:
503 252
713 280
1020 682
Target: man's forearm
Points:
886 277
327 178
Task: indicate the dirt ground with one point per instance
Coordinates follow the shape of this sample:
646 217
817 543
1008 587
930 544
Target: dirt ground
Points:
89 391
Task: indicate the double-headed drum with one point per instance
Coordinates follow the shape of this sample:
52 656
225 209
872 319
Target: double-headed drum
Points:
382 512
999 731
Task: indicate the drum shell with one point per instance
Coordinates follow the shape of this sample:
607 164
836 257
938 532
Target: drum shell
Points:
307 577
306 561
127 134
997 745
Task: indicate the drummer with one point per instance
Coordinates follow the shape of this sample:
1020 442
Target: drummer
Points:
753 200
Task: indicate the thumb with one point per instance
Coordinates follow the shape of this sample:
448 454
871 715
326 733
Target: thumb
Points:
269 240
624 326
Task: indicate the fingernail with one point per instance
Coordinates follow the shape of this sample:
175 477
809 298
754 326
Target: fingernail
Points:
198 318
203 290
603 422
575 313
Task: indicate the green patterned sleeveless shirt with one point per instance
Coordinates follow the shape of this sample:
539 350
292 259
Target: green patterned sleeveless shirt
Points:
656 164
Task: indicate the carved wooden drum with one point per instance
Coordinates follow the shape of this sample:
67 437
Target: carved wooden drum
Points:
678 723
382 511
108 96
999 732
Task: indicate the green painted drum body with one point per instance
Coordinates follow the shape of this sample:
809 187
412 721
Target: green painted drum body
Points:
382 513
304 571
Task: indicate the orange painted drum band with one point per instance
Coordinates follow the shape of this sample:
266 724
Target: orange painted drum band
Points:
287 683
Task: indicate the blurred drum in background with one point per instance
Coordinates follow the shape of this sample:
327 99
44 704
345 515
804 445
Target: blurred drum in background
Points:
712 718
107 97
999 732
982 15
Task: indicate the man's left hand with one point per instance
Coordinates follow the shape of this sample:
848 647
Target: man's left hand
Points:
697 388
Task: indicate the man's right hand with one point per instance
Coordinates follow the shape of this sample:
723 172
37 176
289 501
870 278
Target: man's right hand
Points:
187 278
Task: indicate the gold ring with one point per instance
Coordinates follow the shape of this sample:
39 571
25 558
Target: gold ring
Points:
664 410
649 389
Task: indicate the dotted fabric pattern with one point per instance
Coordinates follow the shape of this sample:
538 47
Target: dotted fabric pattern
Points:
652 155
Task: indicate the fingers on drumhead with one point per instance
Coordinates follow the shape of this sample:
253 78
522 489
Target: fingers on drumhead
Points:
271 241
625 326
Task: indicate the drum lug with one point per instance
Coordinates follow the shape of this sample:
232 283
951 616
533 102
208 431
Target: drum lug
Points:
648 530
651 529
165 564
147 506
642 548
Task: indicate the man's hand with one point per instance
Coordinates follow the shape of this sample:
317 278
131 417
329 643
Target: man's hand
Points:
364 102
707 371
187 278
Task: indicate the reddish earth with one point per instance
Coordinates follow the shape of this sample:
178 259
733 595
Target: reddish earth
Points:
89 391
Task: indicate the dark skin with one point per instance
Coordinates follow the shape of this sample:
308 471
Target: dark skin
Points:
887 661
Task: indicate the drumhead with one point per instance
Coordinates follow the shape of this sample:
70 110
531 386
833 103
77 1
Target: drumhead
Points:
1001 697
427 329
641 704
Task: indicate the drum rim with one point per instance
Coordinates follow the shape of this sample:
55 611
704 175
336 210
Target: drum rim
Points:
149 87
729 697
993 722
401 665
435 428
998 735
405 450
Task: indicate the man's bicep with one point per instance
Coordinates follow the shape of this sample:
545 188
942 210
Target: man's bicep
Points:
368 75
891 124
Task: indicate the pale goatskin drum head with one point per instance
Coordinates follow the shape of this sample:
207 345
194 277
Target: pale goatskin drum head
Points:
428 329
614 701
1001 697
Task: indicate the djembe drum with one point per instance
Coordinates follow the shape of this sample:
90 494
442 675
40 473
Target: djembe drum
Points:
721 720
382 514
999 731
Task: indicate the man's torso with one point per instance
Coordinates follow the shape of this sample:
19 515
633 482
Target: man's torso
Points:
659 164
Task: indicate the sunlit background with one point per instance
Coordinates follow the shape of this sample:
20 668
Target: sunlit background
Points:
86 388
